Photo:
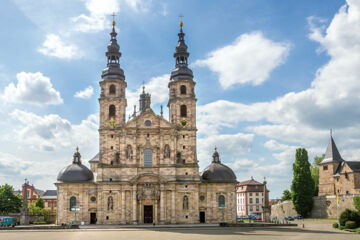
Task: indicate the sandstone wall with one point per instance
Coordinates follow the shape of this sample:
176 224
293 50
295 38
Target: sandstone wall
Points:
324 207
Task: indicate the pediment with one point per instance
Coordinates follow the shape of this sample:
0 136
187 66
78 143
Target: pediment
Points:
142 121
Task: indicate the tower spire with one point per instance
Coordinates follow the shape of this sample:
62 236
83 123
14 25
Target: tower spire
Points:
181 55
113 54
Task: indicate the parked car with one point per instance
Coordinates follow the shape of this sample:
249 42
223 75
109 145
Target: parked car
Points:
7 222
288 218
244 217
255 217
298 217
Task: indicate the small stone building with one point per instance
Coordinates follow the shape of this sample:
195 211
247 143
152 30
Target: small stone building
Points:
336 175
147 169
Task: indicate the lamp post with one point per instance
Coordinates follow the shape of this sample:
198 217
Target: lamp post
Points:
222 208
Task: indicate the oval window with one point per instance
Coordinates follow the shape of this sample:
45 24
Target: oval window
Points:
93 199
148 123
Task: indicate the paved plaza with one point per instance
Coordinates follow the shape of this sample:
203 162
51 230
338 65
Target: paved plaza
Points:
313 230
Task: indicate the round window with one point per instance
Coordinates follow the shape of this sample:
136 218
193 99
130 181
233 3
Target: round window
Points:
93 199
148 123
202 198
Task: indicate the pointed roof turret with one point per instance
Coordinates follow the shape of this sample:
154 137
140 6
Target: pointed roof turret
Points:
113 54
332 153
145 99
181 70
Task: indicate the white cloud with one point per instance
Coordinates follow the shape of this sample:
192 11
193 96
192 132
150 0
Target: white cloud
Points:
100 10
51 132
86 93
32 88
249 59
157 87
274 145
55 47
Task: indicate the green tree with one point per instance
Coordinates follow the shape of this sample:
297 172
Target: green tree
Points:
286 195
356 200
9 202
302 187
40 203
314 168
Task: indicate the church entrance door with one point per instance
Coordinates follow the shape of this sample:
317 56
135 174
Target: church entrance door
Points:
148 214
202 217
93 218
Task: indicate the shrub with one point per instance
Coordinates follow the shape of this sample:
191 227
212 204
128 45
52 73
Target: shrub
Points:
341 227
350 224
41 222
335 225
349 215
357 230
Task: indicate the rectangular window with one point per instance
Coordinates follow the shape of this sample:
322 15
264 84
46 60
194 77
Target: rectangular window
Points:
250 194
257 200
147 158
49 204
251 208
325 168
250 200
54 204
257 208
257 194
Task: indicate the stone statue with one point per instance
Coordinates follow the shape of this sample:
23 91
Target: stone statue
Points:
185 203
110 203
167 151
129 152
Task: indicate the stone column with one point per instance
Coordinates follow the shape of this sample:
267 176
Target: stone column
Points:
123 220
173 206
134 205
162 204
155 211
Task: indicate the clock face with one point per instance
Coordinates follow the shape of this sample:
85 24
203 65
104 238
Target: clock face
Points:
184 123
112 123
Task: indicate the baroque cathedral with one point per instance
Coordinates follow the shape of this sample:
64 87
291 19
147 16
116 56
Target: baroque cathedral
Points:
146 170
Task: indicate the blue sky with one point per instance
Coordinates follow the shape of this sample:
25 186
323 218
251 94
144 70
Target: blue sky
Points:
272 75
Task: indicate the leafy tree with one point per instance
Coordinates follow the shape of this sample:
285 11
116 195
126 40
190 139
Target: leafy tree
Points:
286 195
314 168
356 200
9 202
40 203
302 187
36 210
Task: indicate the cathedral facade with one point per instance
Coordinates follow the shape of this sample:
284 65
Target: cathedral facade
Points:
147 169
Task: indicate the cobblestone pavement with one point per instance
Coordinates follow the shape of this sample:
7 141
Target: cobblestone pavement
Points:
313 230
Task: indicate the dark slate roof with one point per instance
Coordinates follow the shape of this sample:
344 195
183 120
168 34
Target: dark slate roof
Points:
96 158
75 172
50 193
354 165
332 154
217 172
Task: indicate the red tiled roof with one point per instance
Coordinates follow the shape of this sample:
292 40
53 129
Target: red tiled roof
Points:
249 182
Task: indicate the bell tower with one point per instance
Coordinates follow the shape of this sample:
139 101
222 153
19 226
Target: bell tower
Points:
112 98
182 101
112 102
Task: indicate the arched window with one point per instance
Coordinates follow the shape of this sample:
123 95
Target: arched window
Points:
183 111
183 89
112 111
147 158
72 202
185 203
221 201
110 203
112 89
167 151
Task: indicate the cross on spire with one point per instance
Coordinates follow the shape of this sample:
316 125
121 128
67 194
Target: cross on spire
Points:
181 16
113 15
